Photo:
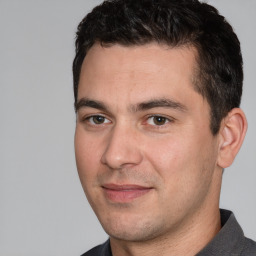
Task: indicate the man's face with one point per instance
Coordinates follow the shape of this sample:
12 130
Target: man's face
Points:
144 150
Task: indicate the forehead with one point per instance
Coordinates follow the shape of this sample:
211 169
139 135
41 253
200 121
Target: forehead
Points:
153 57
133 74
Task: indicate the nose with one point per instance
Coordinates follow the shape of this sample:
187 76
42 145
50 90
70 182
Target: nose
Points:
122 148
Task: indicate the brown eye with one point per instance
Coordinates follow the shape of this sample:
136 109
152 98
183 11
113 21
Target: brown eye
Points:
159 120
97 120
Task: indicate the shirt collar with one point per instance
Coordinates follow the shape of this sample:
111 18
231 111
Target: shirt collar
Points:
229 240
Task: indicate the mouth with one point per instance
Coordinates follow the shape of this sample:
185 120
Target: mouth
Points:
124 193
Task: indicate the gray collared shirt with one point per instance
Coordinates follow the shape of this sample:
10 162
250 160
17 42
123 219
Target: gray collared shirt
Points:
230 241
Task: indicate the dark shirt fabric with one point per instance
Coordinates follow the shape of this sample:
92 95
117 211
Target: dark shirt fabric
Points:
230 241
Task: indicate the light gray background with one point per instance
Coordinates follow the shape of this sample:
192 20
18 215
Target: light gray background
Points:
43 210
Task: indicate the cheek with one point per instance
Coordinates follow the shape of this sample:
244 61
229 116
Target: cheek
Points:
185 169
179 160
87 151
168 155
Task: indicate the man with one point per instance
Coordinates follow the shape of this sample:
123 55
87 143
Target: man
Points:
157 87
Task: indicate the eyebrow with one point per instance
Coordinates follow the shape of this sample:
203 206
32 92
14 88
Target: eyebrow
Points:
159 103
143 106
84 102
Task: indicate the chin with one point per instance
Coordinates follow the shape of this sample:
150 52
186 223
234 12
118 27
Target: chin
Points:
132 229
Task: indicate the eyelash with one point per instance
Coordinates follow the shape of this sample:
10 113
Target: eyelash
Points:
87 119
166 120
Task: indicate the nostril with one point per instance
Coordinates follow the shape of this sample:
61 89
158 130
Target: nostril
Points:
116 157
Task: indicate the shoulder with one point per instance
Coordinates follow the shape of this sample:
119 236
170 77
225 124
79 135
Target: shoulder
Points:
233 236
230 240
95 251
100 250
249 247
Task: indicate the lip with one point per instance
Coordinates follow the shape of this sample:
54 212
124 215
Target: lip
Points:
123 193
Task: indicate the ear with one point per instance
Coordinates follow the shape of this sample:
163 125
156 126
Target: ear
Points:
232 132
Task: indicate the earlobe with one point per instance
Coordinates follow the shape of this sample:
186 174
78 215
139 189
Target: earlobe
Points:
232 133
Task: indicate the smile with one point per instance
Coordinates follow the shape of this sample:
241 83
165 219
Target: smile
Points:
124 193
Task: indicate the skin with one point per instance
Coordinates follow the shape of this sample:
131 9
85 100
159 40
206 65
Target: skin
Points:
173 158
